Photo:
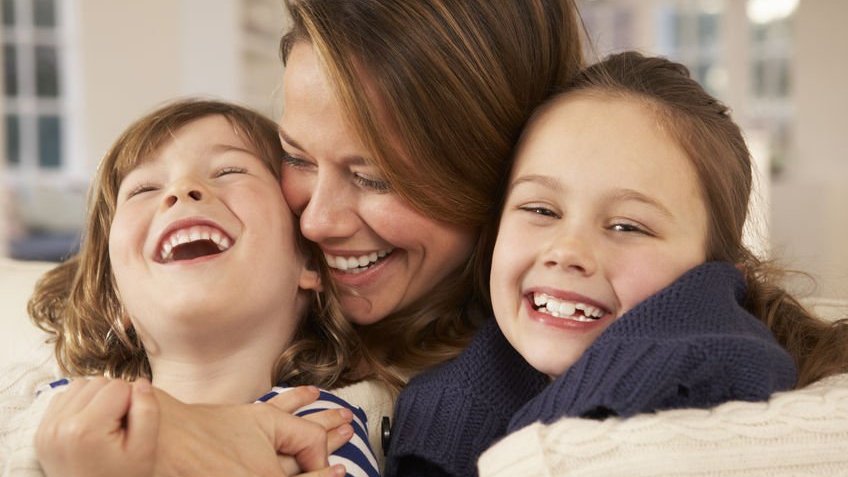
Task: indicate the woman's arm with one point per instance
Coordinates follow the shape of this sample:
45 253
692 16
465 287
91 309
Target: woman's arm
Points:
219 440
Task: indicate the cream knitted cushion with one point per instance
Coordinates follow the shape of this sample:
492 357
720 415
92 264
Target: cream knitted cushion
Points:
802 432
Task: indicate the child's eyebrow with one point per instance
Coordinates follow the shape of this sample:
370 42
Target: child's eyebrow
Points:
545 181
627 195
222 148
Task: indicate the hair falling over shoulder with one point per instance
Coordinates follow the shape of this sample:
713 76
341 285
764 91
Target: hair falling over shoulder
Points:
443 88
704 129
78 304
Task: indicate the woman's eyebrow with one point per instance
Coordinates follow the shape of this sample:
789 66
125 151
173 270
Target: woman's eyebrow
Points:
352 159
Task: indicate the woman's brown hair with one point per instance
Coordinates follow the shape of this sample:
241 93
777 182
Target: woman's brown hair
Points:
77 302
702 126
453 83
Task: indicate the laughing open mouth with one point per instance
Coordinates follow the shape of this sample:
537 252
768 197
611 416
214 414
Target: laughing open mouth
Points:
193 242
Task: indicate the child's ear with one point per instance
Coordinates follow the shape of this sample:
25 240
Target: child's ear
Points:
310 279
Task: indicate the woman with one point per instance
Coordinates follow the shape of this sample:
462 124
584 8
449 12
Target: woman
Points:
399 122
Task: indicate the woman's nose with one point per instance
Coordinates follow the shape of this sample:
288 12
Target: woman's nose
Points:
331 213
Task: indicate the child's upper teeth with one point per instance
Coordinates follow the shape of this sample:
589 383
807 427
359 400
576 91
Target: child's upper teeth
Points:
563 308
355 263
193 234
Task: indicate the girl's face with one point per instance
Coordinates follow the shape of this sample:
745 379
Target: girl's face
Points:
603 210
385 254
203 246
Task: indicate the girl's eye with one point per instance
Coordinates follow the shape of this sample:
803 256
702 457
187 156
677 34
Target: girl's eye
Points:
230 170
540 210
140 189
291 161
628 228
376 185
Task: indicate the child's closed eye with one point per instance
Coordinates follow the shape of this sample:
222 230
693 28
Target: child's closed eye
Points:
141 189
229 170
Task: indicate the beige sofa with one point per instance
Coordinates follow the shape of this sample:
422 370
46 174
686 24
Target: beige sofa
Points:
802 432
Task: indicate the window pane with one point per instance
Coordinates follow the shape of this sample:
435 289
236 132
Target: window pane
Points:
48 141
9 12
13 139
47 81
44 13
10 69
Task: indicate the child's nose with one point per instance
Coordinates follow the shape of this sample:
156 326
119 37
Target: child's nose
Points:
184 192
571 253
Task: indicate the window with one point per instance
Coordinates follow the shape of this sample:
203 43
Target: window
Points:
33 86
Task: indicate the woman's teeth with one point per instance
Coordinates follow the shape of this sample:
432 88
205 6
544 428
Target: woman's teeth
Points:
356 264
566 309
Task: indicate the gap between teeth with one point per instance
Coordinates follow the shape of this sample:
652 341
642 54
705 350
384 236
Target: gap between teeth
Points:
193 234
356 264
564 308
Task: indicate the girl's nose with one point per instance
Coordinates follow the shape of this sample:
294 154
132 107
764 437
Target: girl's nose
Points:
573 253
186 191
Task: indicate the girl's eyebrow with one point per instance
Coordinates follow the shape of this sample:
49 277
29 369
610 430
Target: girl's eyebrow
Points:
545 181
630 195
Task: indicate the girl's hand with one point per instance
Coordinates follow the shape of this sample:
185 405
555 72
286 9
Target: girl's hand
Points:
99 427
244 440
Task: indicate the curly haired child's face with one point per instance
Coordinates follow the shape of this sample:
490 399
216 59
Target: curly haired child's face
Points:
203 245
603 210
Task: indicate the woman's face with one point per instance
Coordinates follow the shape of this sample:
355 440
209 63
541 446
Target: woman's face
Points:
383 253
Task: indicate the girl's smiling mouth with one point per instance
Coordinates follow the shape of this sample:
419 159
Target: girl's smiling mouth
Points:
192 240
576 310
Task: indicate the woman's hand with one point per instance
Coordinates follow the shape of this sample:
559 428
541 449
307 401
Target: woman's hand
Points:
244 440
99 427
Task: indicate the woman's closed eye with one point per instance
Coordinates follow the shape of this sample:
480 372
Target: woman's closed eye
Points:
367 182
296 162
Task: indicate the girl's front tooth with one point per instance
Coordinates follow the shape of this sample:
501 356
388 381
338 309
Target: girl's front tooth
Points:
539 299
363 261
372 257
352 262
566 308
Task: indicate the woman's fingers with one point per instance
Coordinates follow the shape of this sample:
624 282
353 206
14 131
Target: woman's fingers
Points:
108 406
305 440
331 418
143 419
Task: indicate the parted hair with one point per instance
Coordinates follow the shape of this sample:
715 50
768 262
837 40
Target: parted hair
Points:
441 88
78 303
702 126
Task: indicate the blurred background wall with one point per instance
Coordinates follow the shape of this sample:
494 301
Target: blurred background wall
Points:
76 72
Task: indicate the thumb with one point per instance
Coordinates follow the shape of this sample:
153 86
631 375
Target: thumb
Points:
143 419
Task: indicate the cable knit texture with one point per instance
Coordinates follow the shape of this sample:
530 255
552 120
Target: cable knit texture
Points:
448 416
690 345
794 434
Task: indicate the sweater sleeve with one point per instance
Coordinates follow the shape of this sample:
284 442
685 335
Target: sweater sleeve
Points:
445 418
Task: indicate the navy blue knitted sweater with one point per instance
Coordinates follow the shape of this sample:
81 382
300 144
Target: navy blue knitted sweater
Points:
690 345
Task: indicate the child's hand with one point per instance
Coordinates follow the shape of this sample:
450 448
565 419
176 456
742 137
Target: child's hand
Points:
100 427
335 421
